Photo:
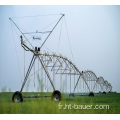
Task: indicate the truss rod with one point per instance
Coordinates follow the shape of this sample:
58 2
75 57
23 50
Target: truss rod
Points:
20 31
77 83
46 73
51 31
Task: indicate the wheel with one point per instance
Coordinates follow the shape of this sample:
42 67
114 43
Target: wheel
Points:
17 97
56 95
104 92
91 94
71 95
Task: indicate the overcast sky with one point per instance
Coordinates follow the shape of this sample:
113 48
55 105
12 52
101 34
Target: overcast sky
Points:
94 33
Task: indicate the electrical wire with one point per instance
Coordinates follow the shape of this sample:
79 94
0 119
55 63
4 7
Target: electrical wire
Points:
60 36
36 16
16 54
69 40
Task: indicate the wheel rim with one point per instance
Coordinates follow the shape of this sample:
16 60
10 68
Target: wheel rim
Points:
17 98
91 94
56 97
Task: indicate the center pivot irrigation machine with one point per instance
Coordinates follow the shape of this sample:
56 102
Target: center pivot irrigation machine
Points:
57 71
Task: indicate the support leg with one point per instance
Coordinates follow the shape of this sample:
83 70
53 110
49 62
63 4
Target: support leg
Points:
46 73
28 72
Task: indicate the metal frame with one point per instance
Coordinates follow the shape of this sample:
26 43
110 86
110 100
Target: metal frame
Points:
59 65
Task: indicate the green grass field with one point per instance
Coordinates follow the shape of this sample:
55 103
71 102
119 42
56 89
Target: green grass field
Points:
47 106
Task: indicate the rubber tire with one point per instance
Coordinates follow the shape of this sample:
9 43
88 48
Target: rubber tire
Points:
19 97
104 93
58 94
71 95
91 94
